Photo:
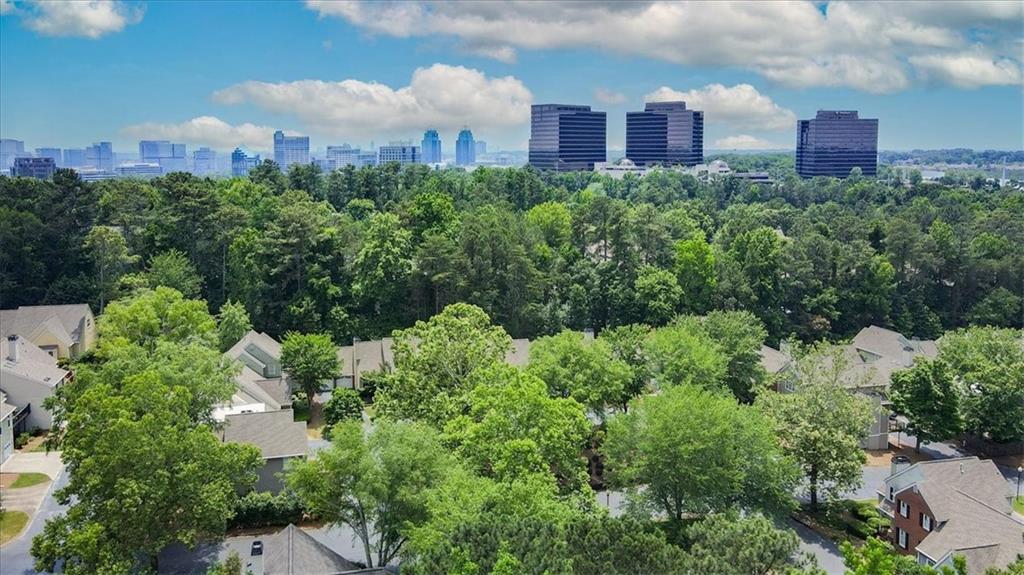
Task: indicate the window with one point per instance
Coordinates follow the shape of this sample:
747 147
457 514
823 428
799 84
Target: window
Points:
904 509
926 522
902 537
892 493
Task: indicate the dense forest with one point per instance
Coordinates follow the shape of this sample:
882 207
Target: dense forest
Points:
358 253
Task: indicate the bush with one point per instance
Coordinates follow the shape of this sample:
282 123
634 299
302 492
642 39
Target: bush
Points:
21 440
344 404
263 509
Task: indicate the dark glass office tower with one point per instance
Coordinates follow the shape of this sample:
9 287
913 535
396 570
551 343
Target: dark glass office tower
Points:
567 138
835 142
665 133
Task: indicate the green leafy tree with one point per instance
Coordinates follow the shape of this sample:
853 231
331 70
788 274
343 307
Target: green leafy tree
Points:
231 566
373 482
822 423
586 370
1000 308
727 544
688 450
433 362
309 359
110 256
683 353
383 264
174 270
659 293
695 271
156 315
513 428
739 335
142 476
627 344
876 557
344 405
989 363
232 323
927 395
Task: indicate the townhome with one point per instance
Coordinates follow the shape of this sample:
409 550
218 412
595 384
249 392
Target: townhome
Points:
944 508
261 384
29 375
276 434
63 331
6 428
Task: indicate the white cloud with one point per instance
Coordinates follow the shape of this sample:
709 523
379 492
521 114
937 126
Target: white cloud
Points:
609 97
744 142
441 96
968 70
6 7
740 106
207 131
864 45
87 19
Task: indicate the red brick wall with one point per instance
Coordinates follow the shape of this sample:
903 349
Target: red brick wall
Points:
912 523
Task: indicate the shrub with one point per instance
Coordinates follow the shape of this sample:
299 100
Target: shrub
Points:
21 440
344 404
263 509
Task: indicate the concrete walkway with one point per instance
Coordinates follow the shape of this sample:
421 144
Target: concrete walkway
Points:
30 499
34 462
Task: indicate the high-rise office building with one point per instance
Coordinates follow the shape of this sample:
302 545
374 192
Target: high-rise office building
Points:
401 152
835 142
170 157
53 153
465 149
665 133
241 162
567 138
367 158
10 149
431 148
39 168
100 155
204 161
74 157
290 150
480 148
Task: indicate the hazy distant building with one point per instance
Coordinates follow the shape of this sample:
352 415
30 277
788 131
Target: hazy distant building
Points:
367 158
74 157
290 150
567 138
204 162
54 153
401 152
665 133
100 155
241 162
10 149
139 170
835 142
480 148
169 156
431 147
39 168
465 149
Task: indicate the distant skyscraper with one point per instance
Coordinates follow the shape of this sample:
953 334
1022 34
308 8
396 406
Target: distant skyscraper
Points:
465 149
100 156
290 150
140 170
367 158
170 157
10 149
567 138
835 142
241 162
54 153
401 152
74 157
204 161
665 133
39 168
431 148
481 148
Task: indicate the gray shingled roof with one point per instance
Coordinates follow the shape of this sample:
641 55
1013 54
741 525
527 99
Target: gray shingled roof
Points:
275 433
292 551
27 319
772 360
33 364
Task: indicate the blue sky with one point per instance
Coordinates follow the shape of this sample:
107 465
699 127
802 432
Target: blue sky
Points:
228 73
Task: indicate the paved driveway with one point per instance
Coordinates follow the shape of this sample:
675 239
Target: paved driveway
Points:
16 556
38 462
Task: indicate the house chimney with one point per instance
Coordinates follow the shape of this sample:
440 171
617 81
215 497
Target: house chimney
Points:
12 348
898 463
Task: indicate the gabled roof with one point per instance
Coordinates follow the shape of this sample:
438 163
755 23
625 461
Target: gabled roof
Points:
772 360
253 385
33 364
275 433
292 551
27 319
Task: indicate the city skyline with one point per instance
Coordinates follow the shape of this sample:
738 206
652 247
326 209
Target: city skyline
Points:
222 87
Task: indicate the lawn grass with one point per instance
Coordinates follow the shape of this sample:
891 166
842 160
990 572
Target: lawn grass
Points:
1018 505
11 524
29 479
